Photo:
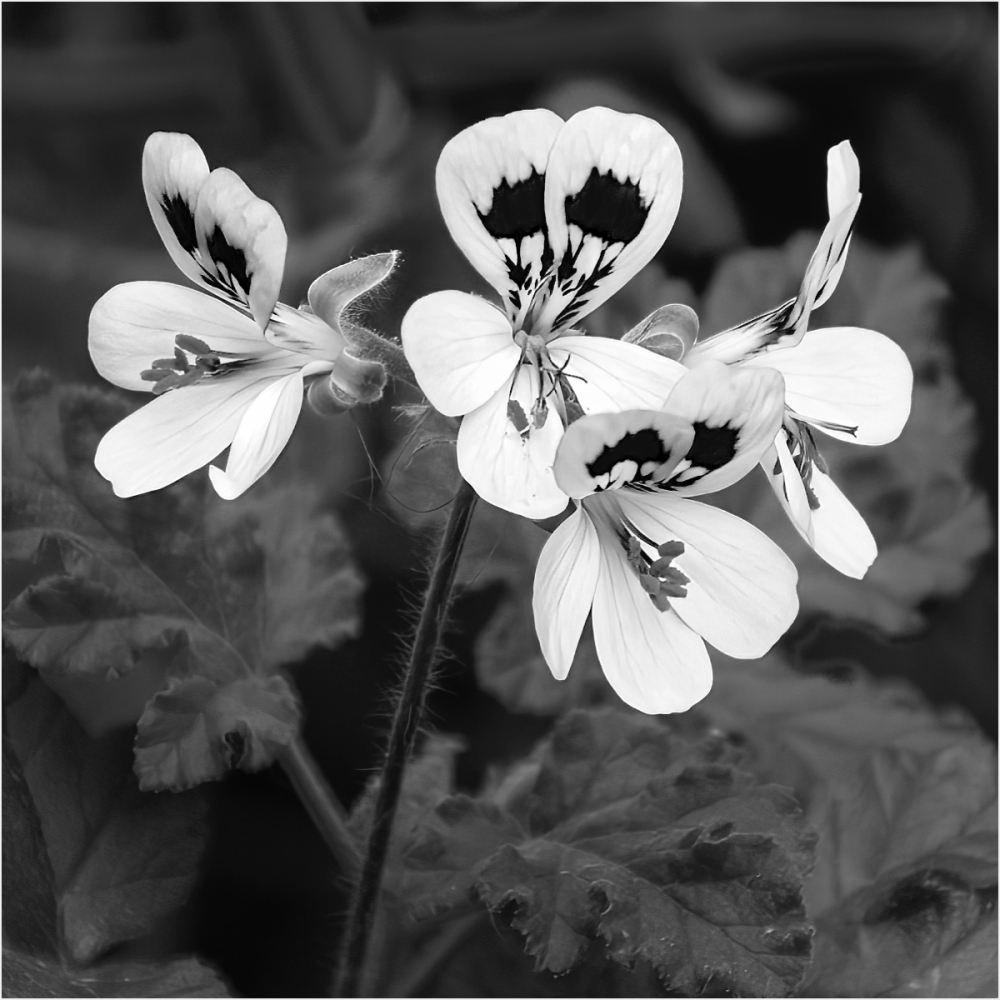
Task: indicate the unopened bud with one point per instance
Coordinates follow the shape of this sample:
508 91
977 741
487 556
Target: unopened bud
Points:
333 291
670 331
362 381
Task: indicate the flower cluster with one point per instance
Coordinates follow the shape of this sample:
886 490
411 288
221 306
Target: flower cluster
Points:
612 436
557 216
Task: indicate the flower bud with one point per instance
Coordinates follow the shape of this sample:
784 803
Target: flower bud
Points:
669 331
332 292
361 381
326 399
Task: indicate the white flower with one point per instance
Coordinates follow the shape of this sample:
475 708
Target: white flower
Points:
557 216
659 572
850 383
227 369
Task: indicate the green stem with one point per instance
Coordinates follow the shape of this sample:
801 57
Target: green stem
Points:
322 804
370 346
405 726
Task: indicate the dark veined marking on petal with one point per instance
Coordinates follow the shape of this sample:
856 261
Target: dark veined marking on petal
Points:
232 259
518 209
638 446
517 213
181 220
712 447
607 208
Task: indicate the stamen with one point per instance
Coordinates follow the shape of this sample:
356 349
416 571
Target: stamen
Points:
658 578
176 372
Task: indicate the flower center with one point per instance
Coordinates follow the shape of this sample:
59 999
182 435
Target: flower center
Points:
193 361
657 577
553 388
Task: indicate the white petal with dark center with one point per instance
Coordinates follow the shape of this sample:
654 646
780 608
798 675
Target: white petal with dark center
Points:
612 191
490 184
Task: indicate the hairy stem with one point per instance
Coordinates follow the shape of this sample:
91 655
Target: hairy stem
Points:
370 346
406 720
322 804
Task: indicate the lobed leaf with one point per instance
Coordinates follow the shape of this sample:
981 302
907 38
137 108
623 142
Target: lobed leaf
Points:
229 591
620 832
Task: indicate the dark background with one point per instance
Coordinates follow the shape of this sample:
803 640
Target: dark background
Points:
336 113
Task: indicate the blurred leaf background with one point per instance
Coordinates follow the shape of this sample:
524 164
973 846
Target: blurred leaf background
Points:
336 113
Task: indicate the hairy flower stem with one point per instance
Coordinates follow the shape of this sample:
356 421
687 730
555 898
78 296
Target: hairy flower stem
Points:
322 804
405 726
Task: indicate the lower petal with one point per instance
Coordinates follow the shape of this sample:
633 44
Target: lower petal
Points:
461 349
608 375
741 596
654 662
262 435
134 324
850 383
565 581
176 433
508 470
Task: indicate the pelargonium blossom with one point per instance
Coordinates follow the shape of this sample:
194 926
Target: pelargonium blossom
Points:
226 369
850 383
556 216
659 573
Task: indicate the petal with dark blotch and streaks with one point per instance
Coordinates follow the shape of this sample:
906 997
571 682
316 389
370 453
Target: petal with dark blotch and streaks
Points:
241 242
736 413
785 325
490 185
605 451
612 191
173 171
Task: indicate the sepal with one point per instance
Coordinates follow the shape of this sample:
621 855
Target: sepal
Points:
669 331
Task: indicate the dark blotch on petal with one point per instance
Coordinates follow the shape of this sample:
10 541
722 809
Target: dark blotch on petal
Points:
639 447
233 260
181 220
518 209
607 208
713 447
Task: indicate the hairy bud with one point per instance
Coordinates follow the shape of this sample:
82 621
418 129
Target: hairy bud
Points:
670 331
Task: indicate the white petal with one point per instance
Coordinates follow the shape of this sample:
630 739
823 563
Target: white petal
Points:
605 451
262 435
736 413
508 469
830 525
219 234
242 243
843 196
850 383
461 349
133 325
612 191
741 596
178 432
608 375
490 183
565 582
839 533
651 658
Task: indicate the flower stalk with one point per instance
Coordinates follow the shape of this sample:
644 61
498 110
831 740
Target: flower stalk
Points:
406 722
321 803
